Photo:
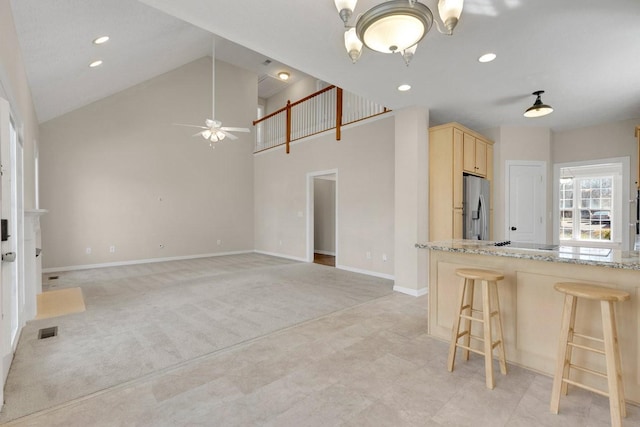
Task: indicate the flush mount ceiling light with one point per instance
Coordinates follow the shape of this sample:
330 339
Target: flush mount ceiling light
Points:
395 25
487 57
404 87
95 64
283 75
538 109
101 40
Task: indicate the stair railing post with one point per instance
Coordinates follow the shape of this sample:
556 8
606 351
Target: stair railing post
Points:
288 124
338 113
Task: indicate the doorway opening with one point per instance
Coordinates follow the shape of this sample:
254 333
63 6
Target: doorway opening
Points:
322 208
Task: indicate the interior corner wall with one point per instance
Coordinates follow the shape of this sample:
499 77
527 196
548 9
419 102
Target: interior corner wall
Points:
15 87
364 159
119 173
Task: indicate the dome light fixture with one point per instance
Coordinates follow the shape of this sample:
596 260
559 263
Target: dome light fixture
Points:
283 75
95 63
538 109
395 25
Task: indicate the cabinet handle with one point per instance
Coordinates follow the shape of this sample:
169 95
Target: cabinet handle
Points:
514 228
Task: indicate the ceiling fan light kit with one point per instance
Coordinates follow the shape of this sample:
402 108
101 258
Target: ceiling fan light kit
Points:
394 26
538 109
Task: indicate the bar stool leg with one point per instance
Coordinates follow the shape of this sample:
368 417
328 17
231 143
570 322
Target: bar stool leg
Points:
470 289
562 366
616 399
623 407
455 331
488 347
501 354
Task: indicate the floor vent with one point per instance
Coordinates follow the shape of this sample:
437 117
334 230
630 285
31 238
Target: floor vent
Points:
48 332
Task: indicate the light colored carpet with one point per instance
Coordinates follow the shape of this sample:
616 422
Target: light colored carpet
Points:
60 302
145 318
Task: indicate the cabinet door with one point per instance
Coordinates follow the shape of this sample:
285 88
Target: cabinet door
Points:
457 168
481 157
469 157
457 224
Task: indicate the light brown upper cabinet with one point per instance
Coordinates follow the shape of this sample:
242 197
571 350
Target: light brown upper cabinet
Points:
453 151
475 155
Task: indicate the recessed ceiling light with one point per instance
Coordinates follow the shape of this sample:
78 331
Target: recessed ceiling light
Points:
487 57
95 64
404 88
283 75
101 39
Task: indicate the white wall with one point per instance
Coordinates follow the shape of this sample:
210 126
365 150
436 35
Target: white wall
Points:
364 159
324 215
119 173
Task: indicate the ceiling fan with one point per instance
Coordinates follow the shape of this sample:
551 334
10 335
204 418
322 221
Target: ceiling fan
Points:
215 132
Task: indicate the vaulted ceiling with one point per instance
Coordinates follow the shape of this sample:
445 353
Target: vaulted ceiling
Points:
583 53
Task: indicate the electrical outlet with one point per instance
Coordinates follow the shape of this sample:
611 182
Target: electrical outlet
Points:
368 254
161 246
300 214
112 249
219 242
384 257
88 251
280 243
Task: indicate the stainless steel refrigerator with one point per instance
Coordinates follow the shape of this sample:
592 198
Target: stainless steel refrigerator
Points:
476 208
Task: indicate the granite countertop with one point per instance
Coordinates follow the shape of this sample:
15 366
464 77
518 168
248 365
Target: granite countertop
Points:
601 257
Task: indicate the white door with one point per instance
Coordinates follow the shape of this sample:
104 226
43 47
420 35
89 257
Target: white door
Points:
526 204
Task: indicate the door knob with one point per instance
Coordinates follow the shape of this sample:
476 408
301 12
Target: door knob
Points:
9 257
514 228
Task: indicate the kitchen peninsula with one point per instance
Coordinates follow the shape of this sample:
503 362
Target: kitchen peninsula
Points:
530 307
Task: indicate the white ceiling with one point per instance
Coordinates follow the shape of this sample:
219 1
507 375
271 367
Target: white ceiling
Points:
583 53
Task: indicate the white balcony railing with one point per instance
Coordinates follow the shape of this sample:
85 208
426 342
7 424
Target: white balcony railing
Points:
327 109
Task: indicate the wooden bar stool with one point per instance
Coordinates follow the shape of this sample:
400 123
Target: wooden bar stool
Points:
611 352
465 314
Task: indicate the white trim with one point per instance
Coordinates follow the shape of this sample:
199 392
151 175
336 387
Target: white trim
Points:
413 292
625 242
367 272
140 261
318 251
294 258
310 214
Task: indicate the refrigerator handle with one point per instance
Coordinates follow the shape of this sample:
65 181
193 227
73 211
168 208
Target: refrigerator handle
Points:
484 230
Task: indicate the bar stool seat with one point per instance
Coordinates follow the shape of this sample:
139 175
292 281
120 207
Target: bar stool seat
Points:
465 315
611 351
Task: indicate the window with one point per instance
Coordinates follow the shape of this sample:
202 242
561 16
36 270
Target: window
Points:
590 204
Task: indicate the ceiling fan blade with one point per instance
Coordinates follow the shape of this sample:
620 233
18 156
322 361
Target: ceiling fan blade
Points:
232 129
191 126
228 135
198 134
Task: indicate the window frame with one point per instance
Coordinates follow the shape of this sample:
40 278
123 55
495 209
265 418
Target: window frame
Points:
621 188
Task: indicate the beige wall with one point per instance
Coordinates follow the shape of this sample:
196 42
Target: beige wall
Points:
364 159
324 215
518 143
293 93
14 86
119 173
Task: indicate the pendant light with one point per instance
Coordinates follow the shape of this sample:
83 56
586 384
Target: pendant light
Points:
538 109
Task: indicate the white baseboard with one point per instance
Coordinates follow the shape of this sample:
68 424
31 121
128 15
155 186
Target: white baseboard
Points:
139 261
367 272
318 251
412 292
294 258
